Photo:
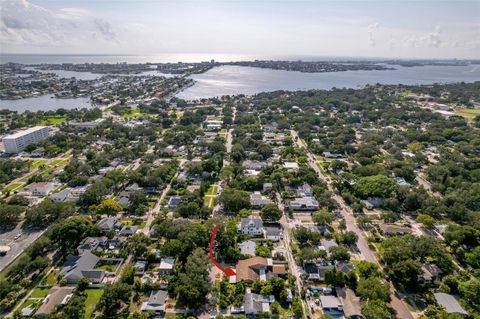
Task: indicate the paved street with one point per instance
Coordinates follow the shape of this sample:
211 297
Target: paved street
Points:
362 243
16 246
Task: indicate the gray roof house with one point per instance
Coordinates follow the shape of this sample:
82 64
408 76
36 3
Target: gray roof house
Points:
78 267
174 201
108 223
304 203
251 226
273 233
247 247
327 244
92 243
352 309
156 302
255 304
331 305
257 200
128 230
449 302
61 196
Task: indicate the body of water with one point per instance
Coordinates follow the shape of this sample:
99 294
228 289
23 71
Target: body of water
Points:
44 103
230 80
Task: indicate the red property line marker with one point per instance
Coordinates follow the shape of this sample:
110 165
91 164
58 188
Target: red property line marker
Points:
228 271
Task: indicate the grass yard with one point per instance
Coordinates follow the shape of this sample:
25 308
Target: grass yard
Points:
39 293
51 280
13 187
59 162
34 303
212 190
469 114
93 297
38 163
135 112
53 120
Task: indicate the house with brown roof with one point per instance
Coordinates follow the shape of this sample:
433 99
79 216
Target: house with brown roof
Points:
352 308
259 268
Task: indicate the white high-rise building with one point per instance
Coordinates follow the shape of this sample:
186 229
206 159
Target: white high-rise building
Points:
15 143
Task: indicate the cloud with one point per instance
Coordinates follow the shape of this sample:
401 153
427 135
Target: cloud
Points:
433 38
24 23
371 39
105 29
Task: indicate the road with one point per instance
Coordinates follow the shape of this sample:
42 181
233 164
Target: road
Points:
292 265
362 243
27 237
156 209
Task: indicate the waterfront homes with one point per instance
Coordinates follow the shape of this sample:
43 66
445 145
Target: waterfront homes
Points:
251 226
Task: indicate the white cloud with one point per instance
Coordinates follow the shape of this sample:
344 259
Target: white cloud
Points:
371 29
24 23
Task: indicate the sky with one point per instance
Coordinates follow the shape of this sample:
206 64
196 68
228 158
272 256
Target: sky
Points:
260 28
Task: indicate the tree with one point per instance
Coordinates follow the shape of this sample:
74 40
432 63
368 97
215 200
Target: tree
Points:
128 274
373 289
109 207
367 269
72 231
349 238
473 258
193 283
138 199
470 290
271 213
427 220
322 218
406 272
376 309
136 245
297 308
234 200
114 296
10 214
339 253
47 212
376 185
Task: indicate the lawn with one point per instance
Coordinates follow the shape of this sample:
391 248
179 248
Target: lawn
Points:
12 187
59 162
212 190
469 114
38 163
135 112
93 297
39 293
53 120
52 278
35 303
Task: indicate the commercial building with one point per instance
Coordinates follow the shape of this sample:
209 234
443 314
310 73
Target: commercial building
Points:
15 143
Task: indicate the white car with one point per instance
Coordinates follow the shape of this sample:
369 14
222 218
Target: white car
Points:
17 236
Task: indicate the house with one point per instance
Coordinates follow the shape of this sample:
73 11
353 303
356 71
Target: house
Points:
311 269
344 266
83 266
401 182
331 155
291 166
254 165
327 244
256 304
124 199
174 201
166 266
128 230
450 304
273 233
373 202
156 302
56 296
251 226
109 223
304 204
430 273
92 244
267 187
28 311
247 248
61 196
352 309
140 267
257 200
305 190
40 189
391 229
259 268
331 305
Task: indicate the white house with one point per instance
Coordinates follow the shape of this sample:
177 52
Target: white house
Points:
251 226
